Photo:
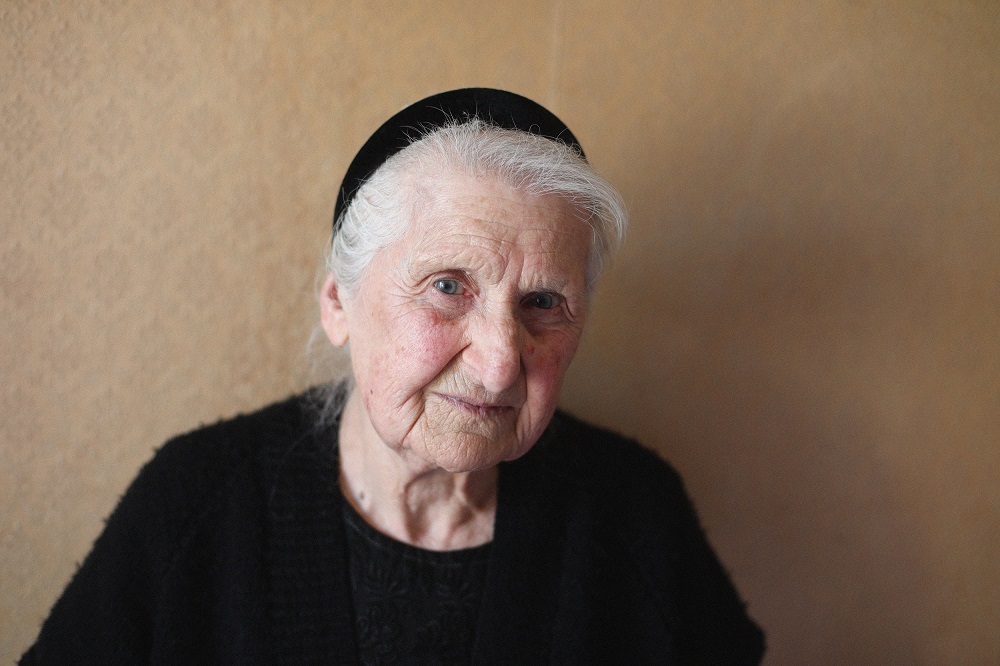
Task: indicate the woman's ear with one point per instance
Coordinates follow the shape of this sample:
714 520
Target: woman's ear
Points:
331 313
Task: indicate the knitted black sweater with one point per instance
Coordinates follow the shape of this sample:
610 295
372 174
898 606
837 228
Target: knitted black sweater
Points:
229 548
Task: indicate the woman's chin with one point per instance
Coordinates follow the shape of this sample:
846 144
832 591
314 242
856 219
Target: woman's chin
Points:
469 453
465 452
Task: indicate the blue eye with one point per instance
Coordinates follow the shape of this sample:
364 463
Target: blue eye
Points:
543 301
449 287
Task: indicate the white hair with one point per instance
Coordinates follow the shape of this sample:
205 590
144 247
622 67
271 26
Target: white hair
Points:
381 210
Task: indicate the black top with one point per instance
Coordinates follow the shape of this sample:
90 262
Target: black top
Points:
229 548
411 604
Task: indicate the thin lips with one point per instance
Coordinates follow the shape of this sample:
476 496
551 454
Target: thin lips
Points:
478 404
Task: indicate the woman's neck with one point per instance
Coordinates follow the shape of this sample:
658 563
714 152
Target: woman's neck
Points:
407 498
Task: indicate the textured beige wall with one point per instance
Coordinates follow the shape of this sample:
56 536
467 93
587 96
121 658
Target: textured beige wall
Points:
805 319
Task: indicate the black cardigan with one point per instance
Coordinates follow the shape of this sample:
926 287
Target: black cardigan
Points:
229 547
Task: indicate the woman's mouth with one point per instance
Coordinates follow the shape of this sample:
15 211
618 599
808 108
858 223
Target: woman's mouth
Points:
477 407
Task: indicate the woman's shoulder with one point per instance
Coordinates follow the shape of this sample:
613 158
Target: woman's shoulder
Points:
602 457
194 506
244 432
636 495
639 505
190 471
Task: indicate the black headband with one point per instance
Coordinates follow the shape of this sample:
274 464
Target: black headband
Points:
496 107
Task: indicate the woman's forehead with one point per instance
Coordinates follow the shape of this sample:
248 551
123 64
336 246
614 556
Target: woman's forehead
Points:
492 231
491 216
456 203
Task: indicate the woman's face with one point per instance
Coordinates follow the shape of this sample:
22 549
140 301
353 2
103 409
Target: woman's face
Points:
460 332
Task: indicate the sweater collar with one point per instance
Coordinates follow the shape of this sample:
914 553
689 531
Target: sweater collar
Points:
520 597
311 619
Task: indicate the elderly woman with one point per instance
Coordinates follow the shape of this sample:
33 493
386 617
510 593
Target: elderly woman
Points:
437 508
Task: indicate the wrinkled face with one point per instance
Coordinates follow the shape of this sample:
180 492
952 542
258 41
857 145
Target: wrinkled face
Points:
462 330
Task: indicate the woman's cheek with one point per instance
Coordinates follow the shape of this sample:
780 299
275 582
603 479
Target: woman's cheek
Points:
428 342
552 355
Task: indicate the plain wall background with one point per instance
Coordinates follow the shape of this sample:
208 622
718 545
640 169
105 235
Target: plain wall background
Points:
804 320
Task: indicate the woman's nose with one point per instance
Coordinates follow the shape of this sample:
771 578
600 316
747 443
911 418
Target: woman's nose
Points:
494 352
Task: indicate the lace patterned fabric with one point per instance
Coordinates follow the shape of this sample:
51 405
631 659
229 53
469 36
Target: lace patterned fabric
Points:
412 605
